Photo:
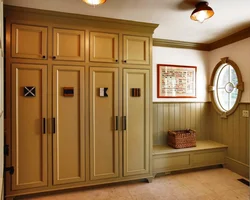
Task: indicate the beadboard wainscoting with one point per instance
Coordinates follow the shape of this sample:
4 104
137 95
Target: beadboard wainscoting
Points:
174 116
234 132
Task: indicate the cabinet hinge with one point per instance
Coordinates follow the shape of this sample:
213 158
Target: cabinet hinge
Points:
6 150
9 169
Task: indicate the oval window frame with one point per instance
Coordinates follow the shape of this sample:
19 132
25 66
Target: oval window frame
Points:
213 90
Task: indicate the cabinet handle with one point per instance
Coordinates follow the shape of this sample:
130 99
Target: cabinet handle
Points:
44 57
53 125
44 125
54 57
124 123
116 123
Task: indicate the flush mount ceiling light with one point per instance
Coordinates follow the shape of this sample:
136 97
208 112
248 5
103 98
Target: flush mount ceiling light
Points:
94 2
202 12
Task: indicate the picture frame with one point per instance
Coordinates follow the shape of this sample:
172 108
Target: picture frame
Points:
176 81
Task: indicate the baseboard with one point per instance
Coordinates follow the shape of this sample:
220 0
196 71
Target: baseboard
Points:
238 167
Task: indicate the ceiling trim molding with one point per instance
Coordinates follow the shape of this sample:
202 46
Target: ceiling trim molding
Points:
241 35
180 44
87 19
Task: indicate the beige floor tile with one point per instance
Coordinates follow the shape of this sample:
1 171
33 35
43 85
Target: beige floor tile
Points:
231 195
217 187
214 184
199 189
208 197
183 193
144 196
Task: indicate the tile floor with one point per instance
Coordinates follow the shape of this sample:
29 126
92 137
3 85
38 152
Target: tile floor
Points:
211 184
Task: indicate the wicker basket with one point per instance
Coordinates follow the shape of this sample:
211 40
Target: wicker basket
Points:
181 138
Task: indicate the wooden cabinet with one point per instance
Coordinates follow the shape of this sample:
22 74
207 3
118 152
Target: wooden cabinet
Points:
103 47
29 127
68 124
105 127
103 118
68 44
206 153
78 112
136 131
29 41
136 50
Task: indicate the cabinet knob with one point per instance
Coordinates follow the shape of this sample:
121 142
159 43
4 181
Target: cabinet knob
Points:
116 60
44 57
125 61
54 57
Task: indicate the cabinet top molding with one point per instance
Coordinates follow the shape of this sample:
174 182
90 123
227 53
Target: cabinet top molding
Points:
92 21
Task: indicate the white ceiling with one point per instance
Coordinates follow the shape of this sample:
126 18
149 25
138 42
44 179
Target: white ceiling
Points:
173 16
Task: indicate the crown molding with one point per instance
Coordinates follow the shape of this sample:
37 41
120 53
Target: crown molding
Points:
241 35
180 44
86 19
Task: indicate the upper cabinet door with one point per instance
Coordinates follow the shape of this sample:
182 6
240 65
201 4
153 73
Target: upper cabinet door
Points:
103 47
136 50
29 41
68 44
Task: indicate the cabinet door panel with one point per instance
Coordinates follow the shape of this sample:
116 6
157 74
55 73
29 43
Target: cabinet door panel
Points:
136 49
136 107
103 47
69 136
68 44
29 41
29 107
103 136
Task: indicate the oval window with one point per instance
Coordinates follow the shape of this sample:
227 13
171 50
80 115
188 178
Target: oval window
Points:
226 86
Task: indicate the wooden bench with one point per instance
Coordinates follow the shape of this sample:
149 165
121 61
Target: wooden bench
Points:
206 153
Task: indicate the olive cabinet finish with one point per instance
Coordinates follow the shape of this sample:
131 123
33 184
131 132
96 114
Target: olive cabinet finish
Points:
136 122
104 47
136 50
29 130
68 119
86 116
29 41
103 115
68 44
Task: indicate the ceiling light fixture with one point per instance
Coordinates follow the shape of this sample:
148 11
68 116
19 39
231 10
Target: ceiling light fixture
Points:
202 12
94 2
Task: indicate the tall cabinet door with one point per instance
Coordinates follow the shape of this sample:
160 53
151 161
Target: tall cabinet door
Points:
68 124
29 133
136 133
103 123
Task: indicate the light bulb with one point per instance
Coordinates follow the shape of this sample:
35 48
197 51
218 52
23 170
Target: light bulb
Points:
94 2
201 16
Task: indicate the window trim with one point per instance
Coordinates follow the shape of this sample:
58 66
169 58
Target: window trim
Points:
213 90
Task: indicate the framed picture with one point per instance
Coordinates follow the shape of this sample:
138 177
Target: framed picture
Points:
176 81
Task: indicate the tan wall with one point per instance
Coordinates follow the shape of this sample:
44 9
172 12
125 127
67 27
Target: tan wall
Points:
233 131
174 116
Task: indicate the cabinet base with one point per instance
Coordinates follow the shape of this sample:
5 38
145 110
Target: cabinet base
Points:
150 179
